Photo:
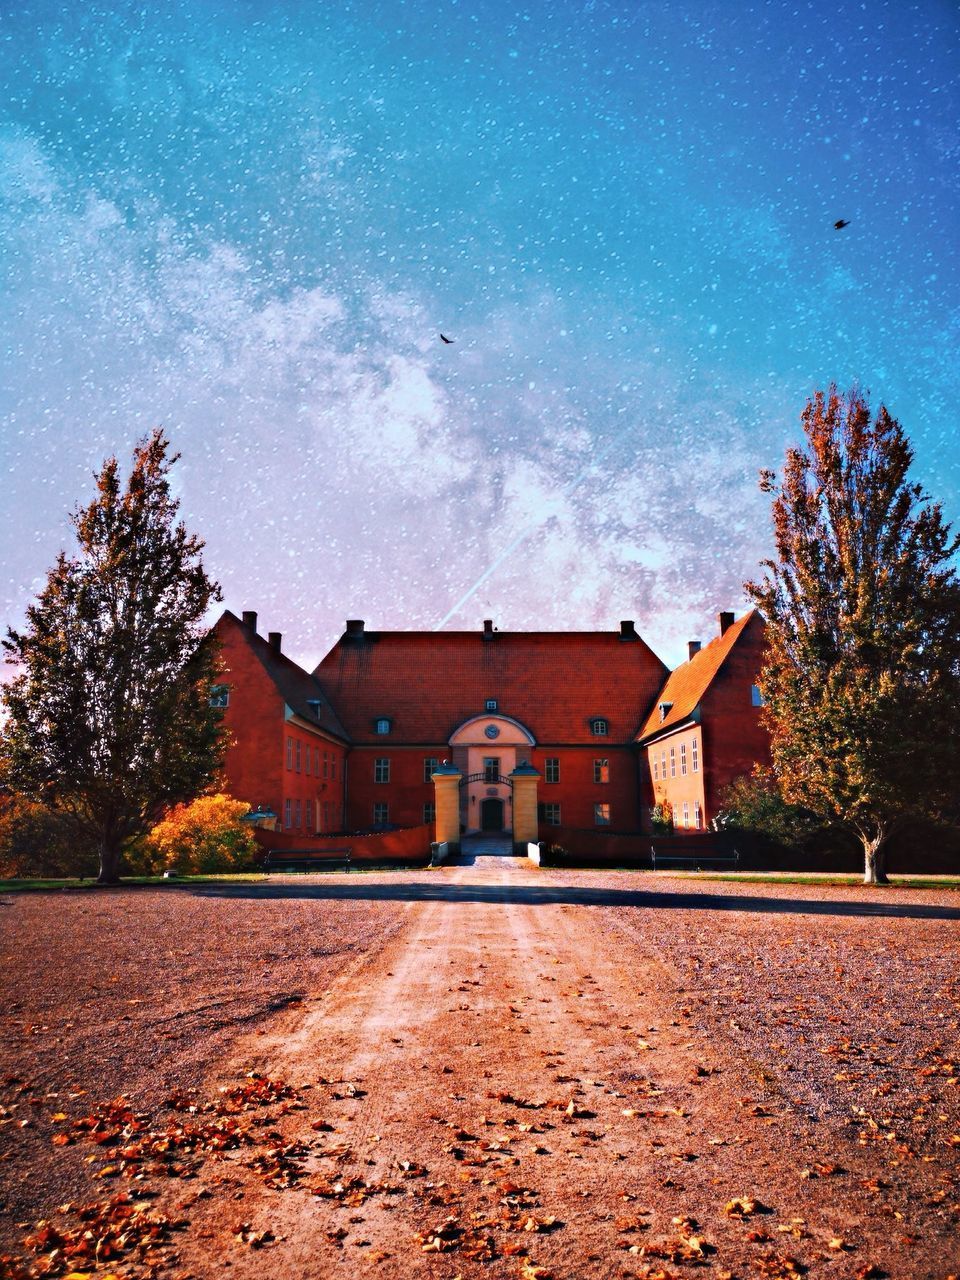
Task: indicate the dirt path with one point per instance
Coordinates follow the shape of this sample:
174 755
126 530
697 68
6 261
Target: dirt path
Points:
509 1089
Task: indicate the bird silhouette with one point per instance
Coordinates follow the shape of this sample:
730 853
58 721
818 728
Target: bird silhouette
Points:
444 338
840 224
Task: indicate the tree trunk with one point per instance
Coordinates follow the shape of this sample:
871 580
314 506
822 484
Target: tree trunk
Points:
109 860
875 860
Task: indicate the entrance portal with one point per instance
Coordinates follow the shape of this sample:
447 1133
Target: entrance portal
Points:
491 815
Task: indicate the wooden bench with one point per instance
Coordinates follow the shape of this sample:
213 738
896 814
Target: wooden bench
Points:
695 861
307 860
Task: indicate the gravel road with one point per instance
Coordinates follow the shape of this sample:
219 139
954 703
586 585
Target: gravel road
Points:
527 1073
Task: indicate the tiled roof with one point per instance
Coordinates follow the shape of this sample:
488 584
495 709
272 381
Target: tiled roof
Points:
690 681
428 683
297 687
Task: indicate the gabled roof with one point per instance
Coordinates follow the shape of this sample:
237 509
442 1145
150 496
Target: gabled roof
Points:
689 682
428 683
296 687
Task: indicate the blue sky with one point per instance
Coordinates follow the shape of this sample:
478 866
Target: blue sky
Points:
251 223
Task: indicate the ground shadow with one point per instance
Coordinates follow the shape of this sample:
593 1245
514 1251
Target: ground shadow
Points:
341 887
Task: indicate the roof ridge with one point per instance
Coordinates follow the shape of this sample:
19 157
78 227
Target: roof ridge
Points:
709 660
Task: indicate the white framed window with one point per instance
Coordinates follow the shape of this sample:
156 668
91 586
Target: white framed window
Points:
697 815
289 753
288 814
306 764
601 815
683 759
491 768
430 765
297 749
297 814
656 767
663 765
673 762
695 754
550 814
686 813
381 814
382 726
598 727
381 769
220 695
551 769
308 814
333 765
490 704
601 770
429 812
756 697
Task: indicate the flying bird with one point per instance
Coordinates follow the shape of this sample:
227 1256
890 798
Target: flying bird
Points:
840 224
444 338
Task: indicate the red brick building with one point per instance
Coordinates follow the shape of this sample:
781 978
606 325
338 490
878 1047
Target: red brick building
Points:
288 749
354 745
705 730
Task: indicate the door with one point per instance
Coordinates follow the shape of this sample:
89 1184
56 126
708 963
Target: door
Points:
491 815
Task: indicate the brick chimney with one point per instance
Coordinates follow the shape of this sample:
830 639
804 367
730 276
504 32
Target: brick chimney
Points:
693 646
627 630
726 622
354 626
250 619
274 639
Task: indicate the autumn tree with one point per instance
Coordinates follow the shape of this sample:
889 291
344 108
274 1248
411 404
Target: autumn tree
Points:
108 719
861 681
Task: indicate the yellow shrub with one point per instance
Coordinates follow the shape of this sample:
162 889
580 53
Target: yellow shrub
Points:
205 835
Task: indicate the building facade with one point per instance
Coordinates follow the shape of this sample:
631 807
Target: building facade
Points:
592 723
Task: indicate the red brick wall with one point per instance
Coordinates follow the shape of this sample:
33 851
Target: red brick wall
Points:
316 786
577 793
406 793
602 847
255 765
254 720
733 740
411 844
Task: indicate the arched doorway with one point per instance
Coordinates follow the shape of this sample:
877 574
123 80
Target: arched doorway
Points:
491 814
486 749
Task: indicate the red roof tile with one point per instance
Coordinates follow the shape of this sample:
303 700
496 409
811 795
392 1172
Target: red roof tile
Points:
428 683
690 681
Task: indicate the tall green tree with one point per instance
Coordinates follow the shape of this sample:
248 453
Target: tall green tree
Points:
862 675
108 719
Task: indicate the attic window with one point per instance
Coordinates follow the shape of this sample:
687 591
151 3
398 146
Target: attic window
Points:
598 728
491 704
220 695
665 709
382 726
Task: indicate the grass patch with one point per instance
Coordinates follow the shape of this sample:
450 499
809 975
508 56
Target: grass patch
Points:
826 877
30 886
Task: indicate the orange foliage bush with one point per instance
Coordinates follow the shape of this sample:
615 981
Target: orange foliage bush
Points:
205 835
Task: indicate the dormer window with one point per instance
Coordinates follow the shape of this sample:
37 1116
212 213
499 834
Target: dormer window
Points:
491 704
665 709
598 727
382 726
220 695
